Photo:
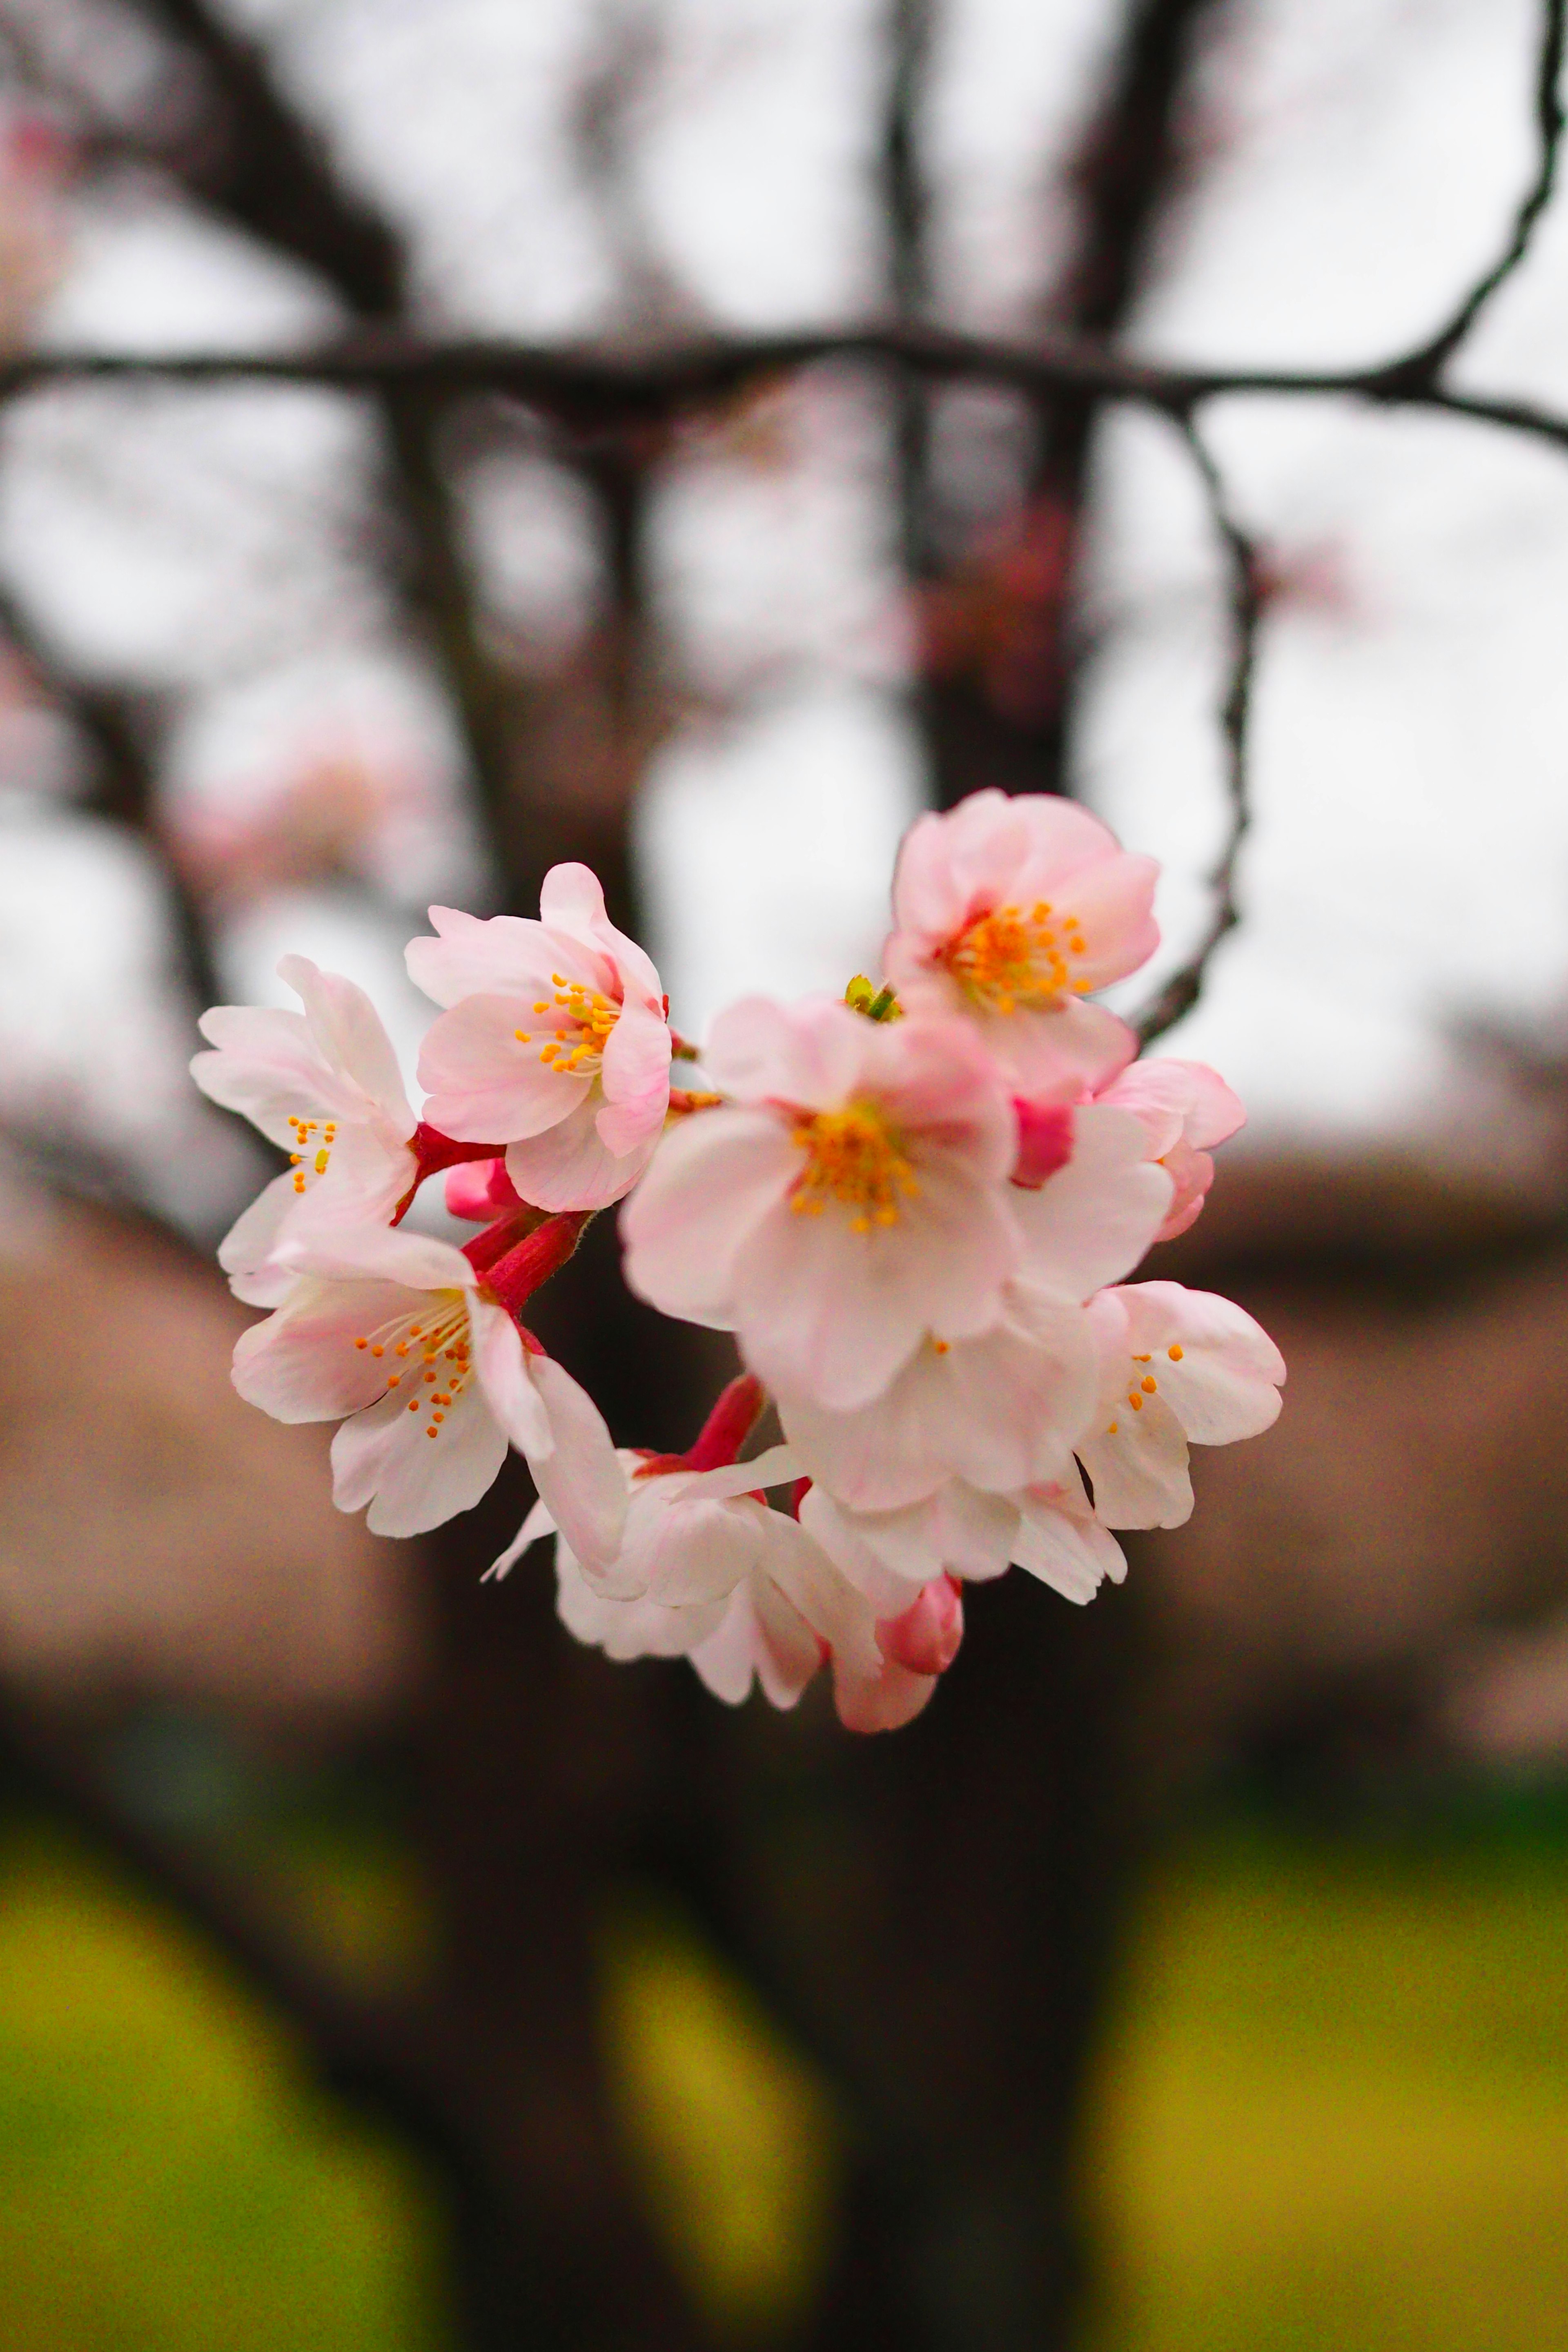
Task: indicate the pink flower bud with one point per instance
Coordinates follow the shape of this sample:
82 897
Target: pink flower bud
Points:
926 1637
480 1190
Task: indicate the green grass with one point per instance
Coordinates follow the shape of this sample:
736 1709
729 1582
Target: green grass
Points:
169 2179
1334 2116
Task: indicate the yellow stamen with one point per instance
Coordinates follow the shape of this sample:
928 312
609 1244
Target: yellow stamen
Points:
856 1157
1174 1352
1010 958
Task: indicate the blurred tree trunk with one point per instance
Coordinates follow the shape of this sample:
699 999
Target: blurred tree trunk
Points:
1130 165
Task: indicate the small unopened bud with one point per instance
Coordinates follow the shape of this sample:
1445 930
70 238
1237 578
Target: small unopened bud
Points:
926 1637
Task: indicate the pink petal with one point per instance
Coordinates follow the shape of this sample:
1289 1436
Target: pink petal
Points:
1091 1223
507 954
711 1182
579 1478
484 1083
414 1482
302 1363
349 1036
570 1166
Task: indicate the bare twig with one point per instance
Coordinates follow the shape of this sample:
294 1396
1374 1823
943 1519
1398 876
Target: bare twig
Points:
1184 988
589 390
1423 365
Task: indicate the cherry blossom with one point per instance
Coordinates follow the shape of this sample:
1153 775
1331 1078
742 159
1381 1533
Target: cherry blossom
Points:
555 1042
848 1200
995 1410
1186 1108
1091 1222
917 1209
396 1336
1049 1528
1009 912
323 1084
743 1591
1178 1368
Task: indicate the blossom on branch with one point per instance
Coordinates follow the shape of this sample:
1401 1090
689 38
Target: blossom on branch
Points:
397 1337
709 1571
555 1042
1178 1367
1009 912
324 1085
849 1200
917 1209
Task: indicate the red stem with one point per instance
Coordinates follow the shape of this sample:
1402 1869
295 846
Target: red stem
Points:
729 1425
516 1275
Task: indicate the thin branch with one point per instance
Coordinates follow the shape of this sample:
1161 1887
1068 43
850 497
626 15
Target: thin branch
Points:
1245 602
1425 364
906 208
588 390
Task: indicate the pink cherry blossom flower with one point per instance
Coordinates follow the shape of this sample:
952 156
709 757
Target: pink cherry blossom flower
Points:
1186 1108
1178 1368
849 1200
997 1412
556 1041
1047 1528
1009 910
323 1084
398 1338
743 1593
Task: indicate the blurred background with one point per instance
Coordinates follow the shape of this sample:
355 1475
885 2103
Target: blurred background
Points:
377 1970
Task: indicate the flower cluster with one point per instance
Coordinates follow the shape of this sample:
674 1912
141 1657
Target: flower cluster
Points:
915 1209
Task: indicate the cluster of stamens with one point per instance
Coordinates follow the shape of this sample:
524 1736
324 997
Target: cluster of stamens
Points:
423 1351
854 1157
577 1048
311 1159
1015 957
1148 1385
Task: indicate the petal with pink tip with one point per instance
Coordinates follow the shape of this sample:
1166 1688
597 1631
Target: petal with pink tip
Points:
485 1081
302 1363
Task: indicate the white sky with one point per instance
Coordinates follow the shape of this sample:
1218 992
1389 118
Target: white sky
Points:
1411 851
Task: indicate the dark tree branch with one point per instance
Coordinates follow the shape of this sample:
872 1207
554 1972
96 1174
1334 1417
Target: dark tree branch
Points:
1245 602
599 392
258 162
358 2047
906 208
1425 364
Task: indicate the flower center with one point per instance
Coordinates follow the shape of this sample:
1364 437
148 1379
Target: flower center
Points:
431 1356
310 1159
855 1157
583 1019
1015 957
